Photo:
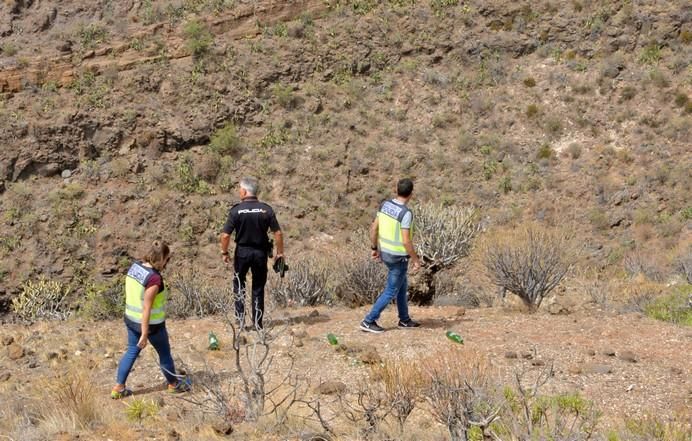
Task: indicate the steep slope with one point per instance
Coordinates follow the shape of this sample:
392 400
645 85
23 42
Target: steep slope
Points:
575 115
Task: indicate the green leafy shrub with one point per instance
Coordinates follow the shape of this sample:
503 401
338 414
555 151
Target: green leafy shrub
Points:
531 110
188 181
283 95
627 93
674 307
505 185
103 301
225 141
438 6
567 416
529 82
681 99
489 168
92 35
362 7
653 428
545 152
8 49
43 299
139 409
198 39
658 78
686 213
651 54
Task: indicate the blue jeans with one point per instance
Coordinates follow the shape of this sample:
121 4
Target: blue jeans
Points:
158 337
396 287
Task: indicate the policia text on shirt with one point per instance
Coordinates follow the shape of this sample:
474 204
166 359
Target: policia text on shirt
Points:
251 220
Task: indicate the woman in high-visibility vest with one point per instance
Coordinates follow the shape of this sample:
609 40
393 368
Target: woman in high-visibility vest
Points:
145 319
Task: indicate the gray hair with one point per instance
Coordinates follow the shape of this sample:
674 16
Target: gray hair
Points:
250 185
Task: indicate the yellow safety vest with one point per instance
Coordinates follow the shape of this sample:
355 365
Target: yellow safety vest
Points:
135 285
389 219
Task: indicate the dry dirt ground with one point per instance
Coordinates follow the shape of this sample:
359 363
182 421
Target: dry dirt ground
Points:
629 365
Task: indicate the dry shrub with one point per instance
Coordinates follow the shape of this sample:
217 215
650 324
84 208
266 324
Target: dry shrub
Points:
460 391
358 278
654 428
69 400
305 284
402 381
103 300
193 295
443 235
684 265
529 263
637 294
640 263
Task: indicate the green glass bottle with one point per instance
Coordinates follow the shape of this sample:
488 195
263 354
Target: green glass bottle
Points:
332 339
456 338
213 342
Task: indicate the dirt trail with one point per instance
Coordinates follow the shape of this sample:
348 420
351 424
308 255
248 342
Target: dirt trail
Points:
627 364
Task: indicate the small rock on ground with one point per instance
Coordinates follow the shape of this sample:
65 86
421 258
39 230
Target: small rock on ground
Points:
15 352
594 368
628 356
330 387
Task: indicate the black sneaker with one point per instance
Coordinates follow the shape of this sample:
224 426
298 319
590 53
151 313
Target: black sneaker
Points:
371 327
408 324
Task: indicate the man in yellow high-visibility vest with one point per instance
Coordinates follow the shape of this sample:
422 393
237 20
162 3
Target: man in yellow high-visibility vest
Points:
391 240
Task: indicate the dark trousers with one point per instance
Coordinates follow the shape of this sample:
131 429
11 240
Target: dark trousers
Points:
255 260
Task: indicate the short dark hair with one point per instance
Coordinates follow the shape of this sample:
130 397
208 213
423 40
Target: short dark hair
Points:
404 187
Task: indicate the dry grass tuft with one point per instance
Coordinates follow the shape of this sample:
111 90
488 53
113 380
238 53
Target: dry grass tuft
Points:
403 382
68 401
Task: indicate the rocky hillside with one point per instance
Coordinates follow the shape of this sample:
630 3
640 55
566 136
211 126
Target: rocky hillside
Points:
124 120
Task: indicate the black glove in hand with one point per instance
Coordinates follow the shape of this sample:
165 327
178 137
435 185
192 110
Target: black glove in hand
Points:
280 266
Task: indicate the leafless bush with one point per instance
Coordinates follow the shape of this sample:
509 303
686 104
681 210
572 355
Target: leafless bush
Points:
453 292
530 263
639 298
305 284
597 290
368 408
460 392
443 235
359 279
638 263
684 264
263 390
192 295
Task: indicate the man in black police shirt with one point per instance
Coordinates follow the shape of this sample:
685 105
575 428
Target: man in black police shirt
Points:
251 220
